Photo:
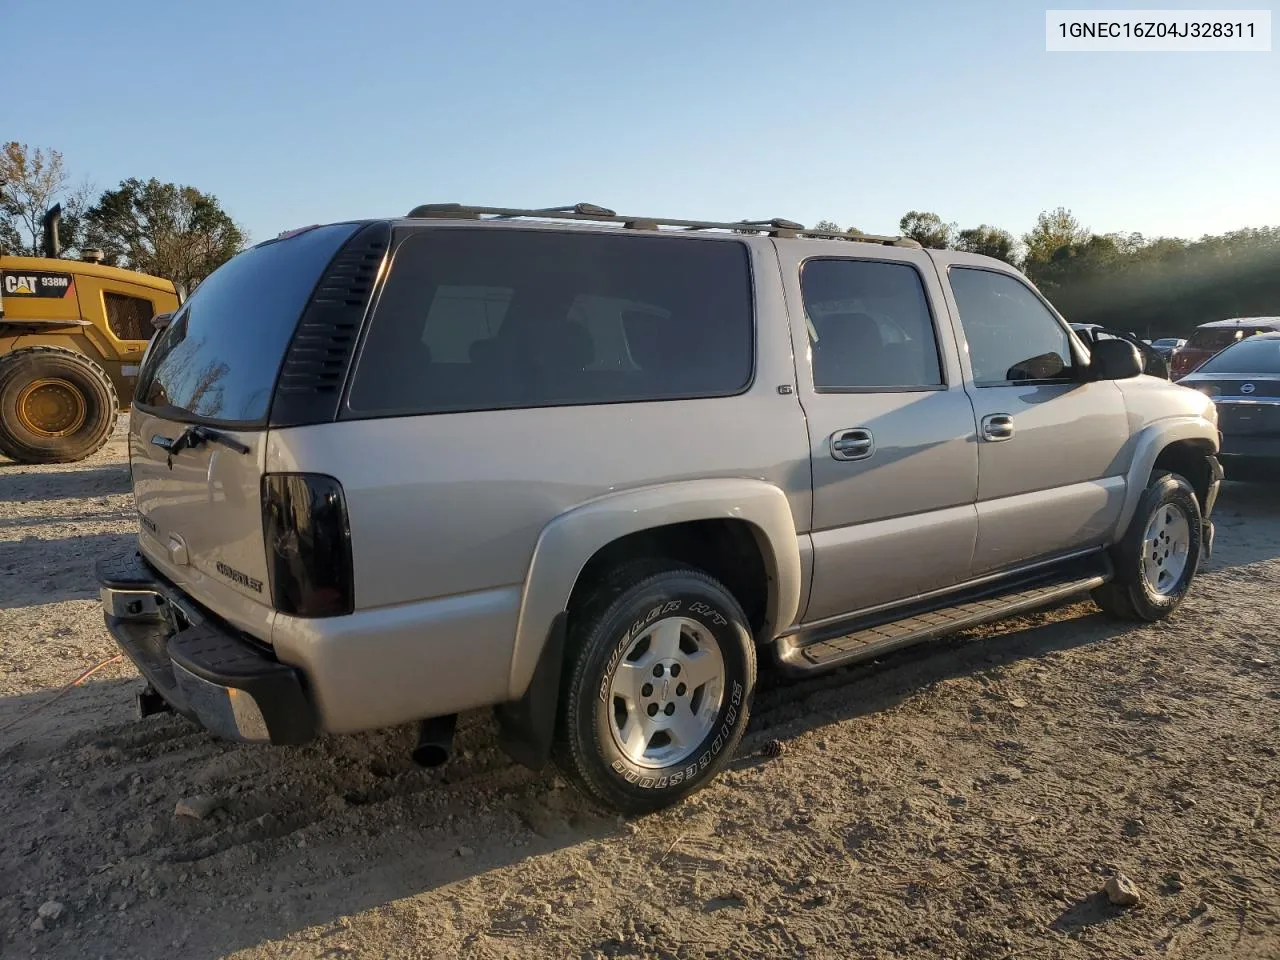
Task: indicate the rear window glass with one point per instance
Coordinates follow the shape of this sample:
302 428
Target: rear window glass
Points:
493 318
1215 338
1251 356
219 358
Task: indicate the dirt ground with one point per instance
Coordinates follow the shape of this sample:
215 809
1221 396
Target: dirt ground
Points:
965 799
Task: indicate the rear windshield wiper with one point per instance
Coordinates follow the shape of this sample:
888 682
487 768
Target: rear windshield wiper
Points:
197 436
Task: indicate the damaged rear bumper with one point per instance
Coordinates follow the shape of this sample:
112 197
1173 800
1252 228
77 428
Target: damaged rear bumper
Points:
202 668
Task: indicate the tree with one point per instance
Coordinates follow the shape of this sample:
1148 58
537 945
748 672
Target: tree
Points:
927 229
165 229
988 241
31 181
10 239
830 226
1053 230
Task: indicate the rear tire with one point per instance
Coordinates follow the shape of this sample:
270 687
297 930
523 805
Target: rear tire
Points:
1158 557
660 673
56 406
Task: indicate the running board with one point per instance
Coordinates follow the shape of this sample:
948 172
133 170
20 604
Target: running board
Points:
800 656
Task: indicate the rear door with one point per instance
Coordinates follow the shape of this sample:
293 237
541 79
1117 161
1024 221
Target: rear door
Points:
891 430
1051 447
215 366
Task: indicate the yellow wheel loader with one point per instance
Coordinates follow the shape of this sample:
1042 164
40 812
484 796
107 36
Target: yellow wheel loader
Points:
72 335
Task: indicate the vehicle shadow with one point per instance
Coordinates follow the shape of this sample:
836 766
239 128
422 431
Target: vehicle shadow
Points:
785 708
39 571
18 485
305 836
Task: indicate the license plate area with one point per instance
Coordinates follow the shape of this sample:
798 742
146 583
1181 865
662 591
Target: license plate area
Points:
1249 418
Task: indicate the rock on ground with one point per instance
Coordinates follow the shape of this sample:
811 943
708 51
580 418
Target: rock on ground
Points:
1121 891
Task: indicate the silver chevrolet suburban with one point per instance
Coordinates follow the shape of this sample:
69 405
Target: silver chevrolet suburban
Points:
587 469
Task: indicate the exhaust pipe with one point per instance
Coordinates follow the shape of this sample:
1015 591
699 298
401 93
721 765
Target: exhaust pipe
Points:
51 243
435 740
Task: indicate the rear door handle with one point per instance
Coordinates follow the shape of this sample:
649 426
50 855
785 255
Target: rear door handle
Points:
854 444
996 427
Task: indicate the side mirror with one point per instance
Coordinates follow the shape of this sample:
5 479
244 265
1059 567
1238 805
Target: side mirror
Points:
1114 360
161 320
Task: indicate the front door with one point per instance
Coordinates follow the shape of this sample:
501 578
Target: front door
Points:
1050 444
891 430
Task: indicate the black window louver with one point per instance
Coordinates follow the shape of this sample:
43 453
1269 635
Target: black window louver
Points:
319 356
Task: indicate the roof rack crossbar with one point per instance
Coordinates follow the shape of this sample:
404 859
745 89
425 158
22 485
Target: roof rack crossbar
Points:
775 227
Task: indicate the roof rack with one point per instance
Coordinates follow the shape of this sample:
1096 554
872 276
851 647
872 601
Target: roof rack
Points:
777 227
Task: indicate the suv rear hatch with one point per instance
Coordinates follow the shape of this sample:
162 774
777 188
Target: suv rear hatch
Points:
199 425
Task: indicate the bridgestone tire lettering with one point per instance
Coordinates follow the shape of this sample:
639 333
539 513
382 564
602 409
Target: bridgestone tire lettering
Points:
603 629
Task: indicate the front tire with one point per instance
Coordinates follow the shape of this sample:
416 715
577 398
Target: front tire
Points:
1159 555
661 672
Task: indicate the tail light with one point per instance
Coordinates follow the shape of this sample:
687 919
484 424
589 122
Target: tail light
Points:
304 519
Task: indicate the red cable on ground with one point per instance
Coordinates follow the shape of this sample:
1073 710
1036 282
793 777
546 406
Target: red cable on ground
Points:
74 683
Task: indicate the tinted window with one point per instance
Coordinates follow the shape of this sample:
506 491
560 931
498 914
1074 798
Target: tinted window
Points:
219 357
491 318
1250 356
1012 336
869 325
129 317
1215 338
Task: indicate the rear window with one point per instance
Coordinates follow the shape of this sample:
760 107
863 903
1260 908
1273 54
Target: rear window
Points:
1215 338
1251 356
219 358
493 318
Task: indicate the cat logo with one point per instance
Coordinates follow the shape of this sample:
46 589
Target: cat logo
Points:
37 284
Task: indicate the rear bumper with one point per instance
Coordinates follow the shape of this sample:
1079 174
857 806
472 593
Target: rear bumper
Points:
204 669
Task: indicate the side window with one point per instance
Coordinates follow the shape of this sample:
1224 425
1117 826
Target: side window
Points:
869 326
1012 336
129 317
484 319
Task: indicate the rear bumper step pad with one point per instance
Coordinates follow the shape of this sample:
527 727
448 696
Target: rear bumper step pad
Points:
203 669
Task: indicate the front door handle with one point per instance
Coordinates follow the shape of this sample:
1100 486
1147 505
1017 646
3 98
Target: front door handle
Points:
854 444
996 427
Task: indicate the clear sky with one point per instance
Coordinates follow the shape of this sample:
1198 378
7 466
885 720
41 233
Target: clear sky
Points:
301 112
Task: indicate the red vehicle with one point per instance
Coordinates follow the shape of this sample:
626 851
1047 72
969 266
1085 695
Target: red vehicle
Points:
1209 338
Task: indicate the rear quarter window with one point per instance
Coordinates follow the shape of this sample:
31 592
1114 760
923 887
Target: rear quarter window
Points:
480 319
219 358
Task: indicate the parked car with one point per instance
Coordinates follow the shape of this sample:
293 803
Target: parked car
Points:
1167 345
1209 338
587 469
1153 362
1243 381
